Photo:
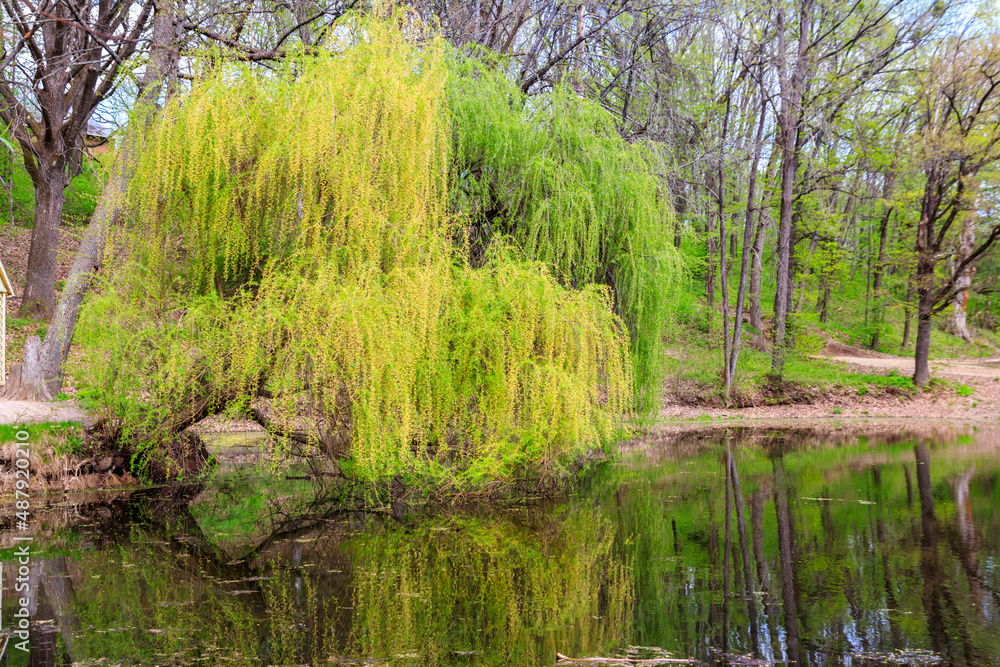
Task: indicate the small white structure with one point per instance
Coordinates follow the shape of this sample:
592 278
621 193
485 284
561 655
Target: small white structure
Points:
5 291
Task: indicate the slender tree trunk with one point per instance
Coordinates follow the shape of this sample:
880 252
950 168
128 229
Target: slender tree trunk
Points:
756 275
924 280
877 279
958 322
723 268
796 277
50 183
921 355
782 286
680 210
788 123
925 314
748 252
907 317
823 302
710 264
91 254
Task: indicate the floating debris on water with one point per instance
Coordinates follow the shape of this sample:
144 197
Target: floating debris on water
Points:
634 655
746 659
916 657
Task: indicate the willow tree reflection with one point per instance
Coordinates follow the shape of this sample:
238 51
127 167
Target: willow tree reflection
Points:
510 589
867 550
510 594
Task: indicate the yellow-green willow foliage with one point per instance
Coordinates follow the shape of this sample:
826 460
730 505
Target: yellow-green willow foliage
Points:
512 595
551 173
292 233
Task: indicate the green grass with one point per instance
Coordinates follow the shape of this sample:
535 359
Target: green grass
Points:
81 196
64 437
694 340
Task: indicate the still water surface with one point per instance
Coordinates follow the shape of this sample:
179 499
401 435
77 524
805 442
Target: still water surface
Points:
726 549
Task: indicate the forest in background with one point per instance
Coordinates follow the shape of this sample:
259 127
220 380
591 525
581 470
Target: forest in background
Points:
738 180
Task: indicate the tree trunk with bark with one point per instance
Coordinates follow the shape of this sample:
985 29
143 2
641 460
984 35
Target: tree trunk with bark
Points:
789 119
957 323
924 278
904 344
748 254
45 380
74 51
25 380
50 181
879 309
756 275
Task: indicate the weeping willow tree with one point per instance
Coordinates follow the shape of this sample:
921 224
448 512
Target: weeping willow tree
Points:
298 240
291 238
552 174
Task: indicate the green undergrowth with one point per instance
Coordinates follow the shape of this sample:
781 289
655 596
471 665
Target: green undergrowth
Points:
694 353
81 195
699 366
63 437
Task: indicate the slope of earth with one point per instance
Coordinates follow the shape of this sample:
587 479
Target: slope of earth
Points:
967 390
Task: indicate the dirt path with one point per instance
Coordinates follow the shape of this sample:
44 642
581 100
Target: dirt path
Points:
35 412
981 376
987 368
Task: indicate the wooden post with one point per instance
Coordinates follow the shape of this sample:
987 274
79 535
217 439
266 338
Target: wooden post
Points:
3 338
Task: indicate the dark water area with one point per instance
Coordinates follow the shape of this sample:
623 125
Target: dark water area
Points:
741 548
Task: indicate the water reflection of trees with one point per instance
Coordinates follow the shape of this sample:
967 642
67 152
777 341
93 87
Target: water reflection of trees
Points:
840 559
149 585
779 551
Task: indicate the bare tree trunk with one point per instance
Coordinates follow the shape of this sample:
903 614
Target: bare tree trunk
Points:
756 274
710 265
823 302
877 279
925 313
926 248
680 210
50 182
788 122
723 268
907 317
747 253
91 254
957 322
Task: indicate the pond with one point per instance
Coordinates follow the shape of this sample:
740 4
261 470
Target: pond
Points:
743 547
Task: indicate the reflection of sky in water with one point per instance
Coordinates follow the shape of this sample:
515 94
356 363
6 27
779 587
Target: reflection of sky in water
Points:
170 576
